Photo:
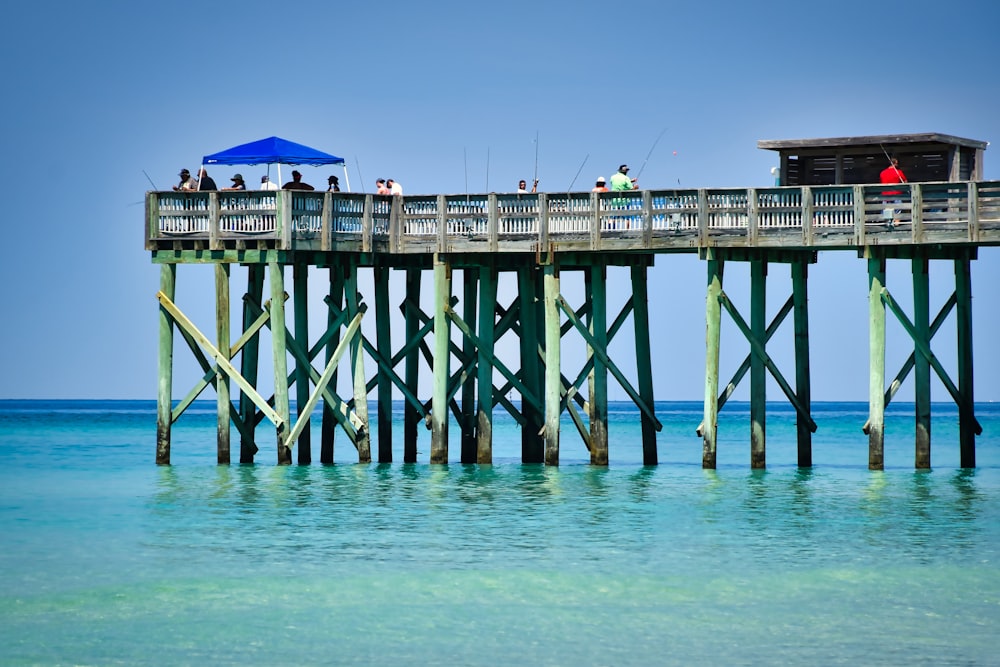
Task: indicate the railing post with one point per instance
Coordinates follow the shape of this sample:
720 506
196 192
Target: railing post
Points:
917 213
973 211
152 218
397 223
213 221
326 217
859 215
807 215
543 223
702 218
752 218
442 222
492 224
647 218
283 217
366 224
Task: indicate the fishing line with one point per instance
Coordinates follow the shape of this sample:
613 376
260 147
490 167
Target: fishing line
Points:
651 149
570 188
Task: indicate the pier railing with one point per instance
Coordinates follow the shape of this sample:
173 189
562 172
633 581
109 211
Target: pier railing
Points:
797 217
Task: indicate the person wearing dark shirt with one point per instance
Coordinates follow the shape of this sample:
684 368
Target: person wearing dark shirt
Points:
205 181
333 184
296 183
238 183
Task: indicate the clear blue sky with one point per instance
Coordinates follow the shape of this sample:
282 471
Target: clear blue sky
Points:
95 93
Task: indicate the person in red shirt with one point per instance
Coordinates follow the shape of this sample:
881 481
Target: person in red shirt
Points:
892 174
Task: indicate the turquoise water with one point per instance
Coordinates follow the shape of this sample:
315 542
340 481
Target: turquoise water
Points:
108 559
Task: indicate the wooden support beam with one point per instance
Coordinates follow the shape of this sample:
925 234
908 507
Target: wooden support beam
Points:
441 361
249 360
352 302
922 363
488 279
598 327
383 339
165 362
335 298
532 449
300 282
966 407
800 297
276 272
553 381
643 360
411 418
713 326
758 370
222 380
876 363
470 280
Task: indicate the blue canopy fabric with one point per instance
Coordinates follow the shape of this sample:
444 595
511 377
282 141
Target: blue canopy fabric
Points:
273 150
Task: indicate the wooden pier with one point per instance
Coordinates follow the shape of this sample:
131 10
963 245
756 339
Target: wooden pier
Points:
538 240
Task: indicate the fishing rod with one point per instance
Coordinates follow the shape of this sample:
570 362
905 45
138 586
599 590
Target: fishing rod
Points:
651 149
535 179
150 180
570 188
357 165
888 157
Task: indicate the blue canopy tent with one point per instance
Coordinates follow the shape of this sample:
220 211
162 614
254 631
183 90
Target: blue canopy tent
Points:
275 150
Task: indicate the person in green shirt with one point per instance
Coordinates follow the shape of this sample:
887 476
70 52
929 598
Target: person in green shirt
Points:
621 181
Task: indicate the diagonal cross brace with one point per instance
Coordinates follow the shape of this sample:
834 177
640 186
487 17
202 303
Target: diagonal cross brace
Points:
925 352
187 325
758 348
606 360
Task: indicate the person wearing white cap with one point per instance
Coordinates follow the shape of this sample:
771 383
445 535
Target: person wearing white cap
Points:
601 185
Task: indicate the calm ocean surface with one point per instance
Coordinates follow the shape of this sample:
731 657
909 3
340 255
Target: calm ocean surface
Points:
108 559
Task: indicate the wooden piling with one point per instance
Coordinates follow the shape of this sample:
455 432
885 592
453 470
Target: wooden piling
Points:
165 361
643 360
598 319
713 326
442 356
966 408
487 332
470 279
553 378
800 301
758 370
249 359
335 302
352 301
532 444
922 364
411 418
221 379
876 362
278 344
300 285
384 345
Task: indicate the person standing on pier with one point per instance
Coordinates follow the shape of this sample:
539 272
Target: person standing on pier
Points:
522 186
380 188
892 174
266 184
333 184
187 182
601 185
296 183
205 181
238 183
394 187
620 180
